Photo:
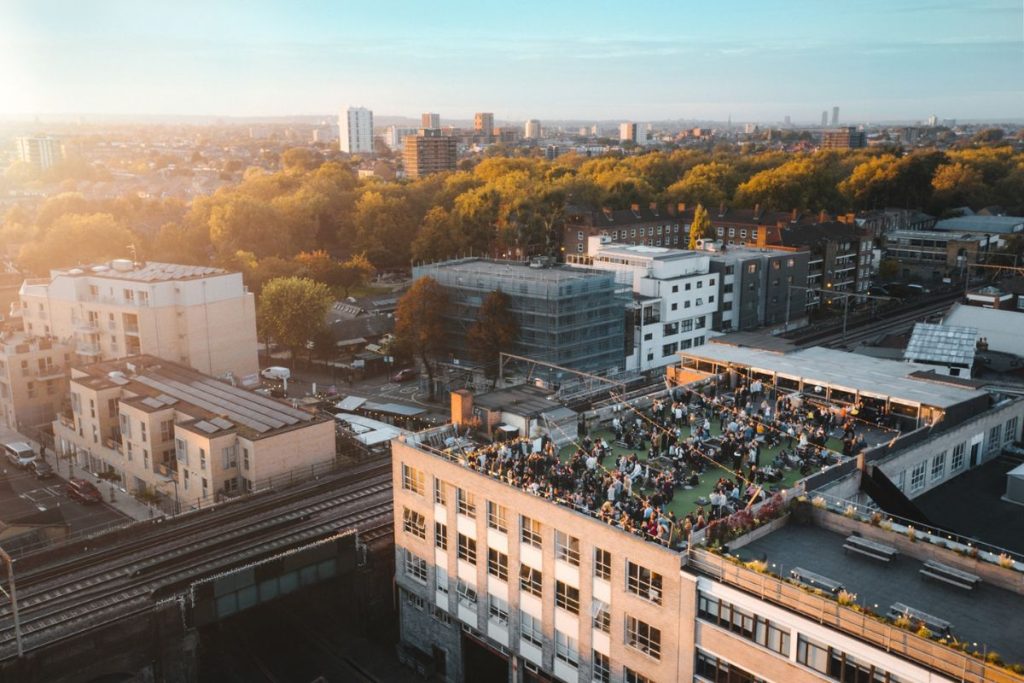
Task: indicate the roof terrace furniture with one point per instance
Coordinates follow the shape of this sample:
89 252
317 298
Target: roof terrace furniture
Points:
809 578
951 575
934 624
869 548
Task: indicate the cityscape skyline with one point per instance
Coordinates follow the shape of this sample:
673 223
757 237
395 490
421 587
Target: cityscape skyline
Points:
955 59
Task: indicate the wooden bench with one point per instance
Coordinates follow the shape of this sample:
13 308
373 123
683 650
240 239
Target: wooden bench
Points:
951 575
813 580
869 548
935 625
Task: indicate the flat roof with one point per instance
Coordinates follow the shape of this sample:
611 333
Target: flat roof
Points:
496 270
526 400
841 370
644 251
999 224
981 615
146 271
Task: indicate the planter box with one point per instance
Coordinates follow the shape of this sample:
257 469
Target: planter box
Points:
759 532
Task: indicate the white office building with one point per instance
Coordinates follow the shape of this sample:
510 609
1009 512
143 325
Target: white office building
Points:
356 130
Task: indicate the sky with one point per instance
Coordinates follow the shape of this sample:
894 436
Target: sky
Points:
756 60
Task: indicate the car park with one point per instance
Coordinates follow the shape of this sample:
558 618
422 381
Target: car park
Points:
83 491
19 454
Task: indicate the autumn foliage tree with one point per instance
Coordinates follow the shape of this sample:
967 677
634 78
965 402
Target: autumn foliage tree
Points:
419 323
701 226
293 310
494 332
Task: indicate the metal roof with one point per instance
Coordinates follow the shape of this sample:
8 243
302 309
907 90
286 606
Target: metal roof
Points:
1003 329
842 370
945 344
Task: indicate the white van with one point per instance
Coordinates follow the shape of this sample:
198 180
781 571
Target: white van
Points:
20 454
276 372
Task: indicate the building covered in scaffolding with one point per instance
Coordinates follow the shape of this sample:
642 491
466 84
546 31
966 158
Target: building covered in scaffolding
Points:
572 317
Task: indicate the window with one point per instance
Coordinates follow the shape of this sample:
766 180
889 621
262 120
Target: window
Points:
414 523
465 502
245 458
181 450
567 548
229 456
413 479
415 601
467 595
643 582
440 536
643 637
669 349
751 267
202 458
530 580
838 665
416 567
440 492
529 531
700 284
743 623
497 611
497 517
956 463
467 549
602 668
602 564
497 564
938 466
631 676
567 649
700 322
1010 433
567 597
711 668
917 477
675 289
441 580
994 440
601 616
670 329
530 629
687 325
126 426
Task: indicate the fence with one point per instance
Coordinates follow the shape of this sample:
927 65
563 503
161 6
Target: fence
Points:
865 627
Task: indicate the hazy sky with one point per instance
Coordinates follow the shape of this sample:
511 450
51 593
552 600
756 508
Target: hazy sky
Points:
629 59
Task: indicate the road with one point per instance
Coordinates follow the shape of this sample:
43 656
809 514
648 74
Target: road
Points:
46 494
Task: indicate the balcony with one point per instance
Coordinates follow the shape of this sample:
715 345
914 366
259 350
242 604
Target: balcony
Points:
67 420
87 325
87 349
114 445
47 372
131 329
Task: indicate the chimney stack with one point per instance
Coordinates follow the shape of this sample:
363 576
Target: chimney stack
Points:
635 207
794 214
757 211
822 216
681 207
721 210
653 206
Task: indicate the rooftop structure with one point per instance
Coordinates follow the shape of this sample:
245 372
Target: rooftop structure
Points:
997 225
1003 330
944 346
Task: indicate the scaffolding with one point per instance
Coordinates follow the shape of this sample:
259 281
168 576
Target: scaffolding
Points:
568 317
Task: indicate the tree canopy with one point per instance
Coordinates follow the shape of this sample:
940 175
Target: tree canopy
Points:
293 310
419 324
494 332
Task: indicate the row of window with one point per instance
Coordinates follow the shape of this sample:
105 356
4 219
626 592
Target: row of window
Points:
743 623
838 665
935 469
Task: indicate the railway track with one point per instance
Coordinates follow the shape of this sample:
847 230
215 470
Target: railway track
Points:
126 576
871 329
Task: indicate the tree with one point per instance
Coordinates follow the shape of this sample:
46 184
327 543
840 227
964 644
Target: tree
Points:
320 266
495 331
419 325
77 238
355 272
293 310
888 269
701 226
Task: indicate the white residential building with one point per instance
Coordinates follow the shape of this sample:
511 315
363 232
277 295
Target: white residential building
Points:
198 316
355 127
675 297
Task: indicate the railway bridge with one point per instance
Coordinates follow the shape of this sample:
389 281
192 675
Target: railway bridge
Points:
130 604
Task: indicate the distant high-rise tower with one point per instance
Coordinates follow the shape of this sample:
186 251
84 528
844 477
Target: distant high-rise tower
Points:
532 130
788 122
355 128
835 116
428 152
824 118
430 120
633 132
483 122
40 152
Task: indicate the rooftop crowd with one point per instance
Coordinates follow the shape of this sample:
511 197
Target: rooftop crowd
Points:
675 432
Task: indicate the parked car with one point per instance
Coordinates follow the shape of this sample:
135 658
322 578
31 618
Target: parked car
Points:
42 469
83 491
404 375
19 454
907 291
276 372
